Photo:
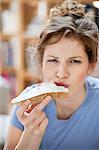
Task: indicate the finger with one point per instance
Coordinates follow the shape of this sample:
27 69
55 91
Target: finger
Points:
34 123
43 104
43 125
38 121
23 107
30 118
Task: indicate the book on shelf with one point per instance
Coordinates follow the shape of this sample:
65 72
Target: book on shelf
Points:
37 22
5 90
9 52
9 19
6 53
11 79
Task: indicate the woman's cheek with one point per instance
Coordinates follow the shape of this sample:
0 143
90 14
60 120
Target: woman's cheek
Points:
82 76
47 74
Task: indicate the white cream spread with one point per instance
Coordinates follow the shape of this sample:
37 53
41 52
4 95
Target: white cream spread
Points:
39 89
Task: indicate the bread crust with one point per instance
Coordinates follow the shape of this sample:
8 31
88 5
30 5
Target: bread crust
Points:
38 99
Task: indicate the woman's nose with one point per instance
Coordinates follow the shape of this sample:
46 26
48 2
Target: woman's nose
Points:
63 72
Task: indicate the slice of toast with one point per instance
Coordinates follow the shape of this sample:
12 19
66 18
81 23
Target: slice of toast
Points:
36 93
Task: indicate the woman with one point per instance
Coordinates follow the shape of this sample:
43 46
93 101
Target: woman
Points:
68 53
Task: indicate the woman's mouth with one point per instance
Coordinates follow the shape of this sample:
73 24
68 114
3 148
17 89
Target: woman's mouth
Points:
61 84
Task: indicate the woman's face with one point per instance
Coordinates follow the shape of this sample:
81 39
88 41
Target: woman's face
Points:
67 62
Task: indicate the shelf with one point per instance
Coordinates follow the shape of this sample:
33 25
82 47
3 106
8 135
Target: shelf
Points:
31 8
7 36
5 1
29 77
4 4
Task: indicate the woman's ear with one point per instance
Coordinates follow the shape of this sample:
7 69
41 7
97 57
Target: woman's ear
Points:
91 68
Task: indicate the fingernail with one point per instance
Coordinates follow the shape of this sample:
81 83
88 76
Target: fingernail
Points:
26 114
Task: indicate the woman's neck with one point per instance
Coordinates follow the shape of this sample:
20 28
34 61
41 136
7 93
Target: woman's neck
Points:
65 108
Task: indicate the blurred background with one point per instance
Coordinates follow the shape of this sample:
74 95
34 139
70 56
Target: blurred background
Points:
20 24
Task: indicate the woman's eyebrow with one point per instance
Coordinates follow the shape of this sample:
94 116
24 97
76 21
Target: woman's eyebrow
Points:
74 57
53 56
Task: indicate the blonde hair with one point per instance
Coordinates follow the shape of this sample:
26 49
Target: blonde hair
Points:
69 20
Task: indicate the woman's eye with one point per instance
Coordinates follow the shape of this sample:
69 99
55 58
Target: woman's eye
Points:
75 61
52 60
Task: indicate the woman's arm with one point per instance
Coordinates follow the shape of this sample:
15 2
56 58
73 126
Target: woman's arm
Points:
13 137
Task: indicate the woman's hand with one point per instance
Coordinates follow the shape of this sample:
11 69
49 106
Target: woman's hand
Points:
34 122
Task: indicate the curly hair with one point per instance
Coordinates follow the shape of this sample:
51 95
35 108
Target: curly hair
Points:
69 20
